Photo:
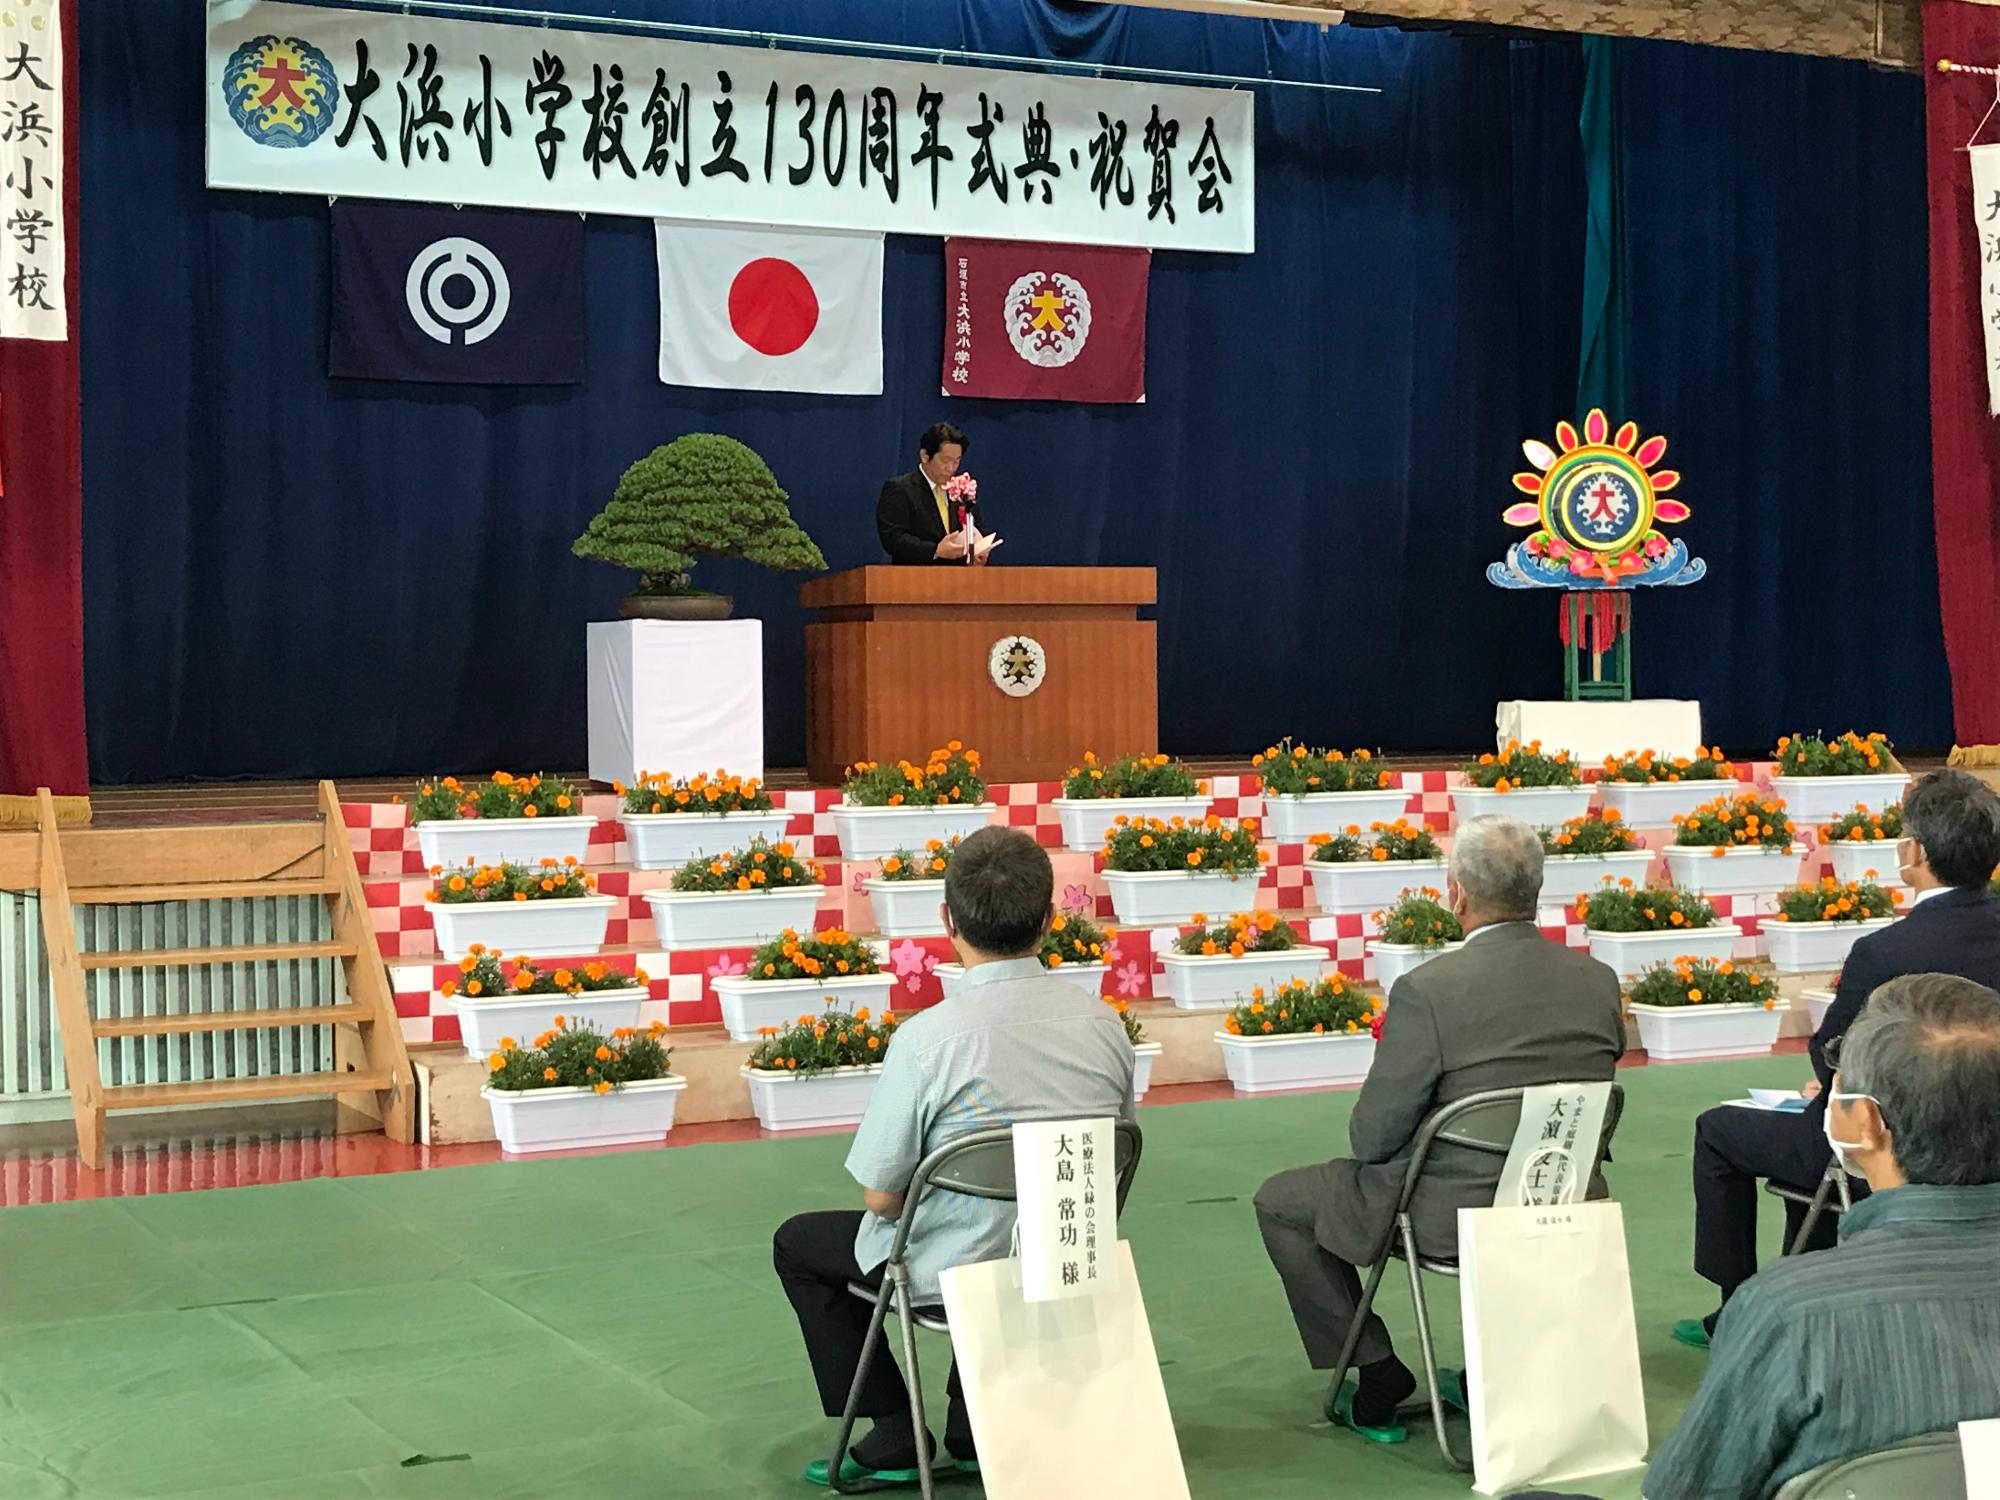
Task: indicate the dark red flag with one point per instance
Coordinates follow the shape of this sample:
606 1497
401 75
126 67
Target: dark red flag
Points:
1026 322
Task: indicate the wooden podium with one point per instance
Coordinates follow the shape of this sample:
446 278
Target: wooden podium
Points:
897 663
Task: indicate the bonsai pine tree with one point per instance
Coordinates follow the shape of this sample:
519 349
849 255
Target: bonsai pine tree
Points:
702 493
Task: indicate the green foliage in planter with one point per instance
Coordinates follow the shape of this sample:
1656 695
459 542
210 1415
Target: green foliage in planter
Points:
579 1057
549 881
444 799
1625 907
1133 776
1134 1032
1419 919
1206 846
1850 755
1522 766
930 864
700 494
1289 770
1644 767
830 953
1245 932
1073 939
758 866
1861 825
1830 901
1330 1006
1593 833
1400 840
487 976
831 1039
948 777
720 793
1692 981
1735 822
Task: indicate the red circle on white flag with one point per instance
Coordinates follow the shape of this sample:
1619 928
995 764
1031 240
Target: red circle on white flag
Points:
772 307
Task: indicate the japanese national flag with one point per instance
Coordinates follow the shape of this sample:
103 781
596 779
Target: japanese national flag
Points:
770 309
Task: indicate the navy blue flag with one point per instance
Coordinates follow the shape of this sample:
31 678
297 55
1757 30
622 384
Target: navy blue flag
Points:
458 296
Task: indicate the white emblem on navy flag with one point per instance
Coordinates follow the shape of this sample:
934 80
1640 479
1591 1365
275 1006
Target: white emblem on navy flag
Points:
441 264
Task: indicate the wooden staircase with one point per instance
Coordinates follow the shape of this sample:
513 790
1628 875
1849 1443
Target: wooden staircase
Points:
371 1080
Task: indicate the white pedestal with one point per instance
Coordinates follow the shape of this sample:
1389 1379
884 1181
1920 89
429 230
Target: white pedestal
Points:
1591 731
680 696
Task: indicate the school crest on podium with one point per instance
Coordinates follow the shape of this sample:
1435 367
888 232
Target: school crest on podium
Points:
1017 664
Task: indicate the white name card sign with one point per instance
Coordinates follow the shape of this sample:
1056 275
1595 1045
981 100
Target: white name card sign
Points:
1554 1146
1065 1173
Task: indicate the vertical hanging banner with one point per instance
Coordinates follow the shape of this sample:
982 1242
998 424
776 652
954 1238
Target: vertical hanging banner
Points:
1986 214
33 304
372 104
1044 322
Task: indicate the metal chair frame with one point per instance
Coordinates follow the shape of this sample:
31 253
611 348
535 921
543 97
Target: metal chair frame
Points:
979 1164
1483 1122
1818 1202
1929 1465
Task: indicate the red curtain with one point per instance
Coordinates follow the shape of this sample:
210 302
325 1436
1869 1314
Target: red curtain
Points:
41 525
1965 440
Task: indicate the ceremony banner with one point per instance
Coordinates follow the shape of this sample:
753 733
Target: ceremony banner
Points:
33 304
1986 214
302 99
1044 322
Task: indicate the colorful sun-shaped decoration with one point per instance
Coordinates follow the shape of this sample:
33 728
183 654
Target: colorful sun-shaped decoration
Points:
1598 496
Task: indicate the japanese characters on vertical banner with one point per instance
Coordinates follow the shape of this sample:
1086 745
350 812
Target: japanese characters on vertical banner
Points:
32 251
306 99
1986 213
961 326
1065 1173
1555 1145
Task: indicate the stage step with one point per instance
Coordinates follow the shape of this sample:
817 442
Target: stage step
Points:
221 890
238 1090
240 953
230 1020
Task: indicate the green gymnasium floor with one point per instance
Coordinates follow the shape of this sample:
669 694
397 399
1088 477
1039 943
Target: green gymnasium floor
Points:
609 1327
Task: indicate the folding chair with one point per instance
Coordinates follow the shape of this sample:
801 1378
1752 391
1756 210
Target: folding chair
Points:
1483 1122
1930 1466
979 1164
1831 1196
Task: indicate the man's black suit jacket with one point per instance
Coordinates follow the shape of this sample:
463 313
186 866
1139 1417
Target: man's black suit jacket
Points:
1957 931
906 519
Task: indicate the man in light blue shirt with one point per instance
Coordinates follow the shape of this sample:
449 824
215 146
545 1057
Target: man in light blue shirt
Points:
1014 1043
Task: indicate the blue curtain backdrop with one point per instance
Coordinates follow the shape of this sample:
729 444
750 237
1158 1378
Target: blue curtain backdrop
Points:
288 575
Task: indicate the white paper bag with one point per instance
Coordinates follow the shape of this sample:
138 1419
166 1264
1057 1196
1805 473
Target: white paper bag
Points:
1551 1346
1065 1397
1979 1445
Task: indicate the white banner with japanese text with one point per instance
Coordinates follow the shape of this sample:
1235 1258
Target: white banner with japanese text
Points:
302 99
1986 214
33 252
1065 1177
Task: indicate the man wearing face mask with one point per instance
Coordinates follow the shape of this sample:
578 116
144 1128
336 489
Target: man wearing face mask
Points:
1510 1009
1897 1331
1952 926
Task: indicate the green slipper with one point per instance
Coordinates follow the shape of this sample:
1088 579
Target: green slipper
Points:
1451 1386
852 1472
1692 1332
1343 1416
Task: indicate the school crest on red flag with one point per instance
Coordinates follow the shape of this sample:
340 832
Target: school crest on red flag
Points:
1045 322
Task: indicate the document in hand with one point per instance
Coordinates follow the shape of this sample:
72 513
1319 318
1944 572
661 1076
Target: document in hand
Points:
977 543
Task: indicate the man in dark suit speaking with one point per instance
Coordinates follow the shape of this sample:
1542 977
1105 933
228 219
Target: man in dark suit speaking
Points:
917 522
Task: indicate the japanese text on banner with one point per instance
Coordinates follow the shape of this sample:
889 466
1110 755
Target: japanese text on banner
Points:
1555 1145
33 304
309 100
1065 1173
1986 213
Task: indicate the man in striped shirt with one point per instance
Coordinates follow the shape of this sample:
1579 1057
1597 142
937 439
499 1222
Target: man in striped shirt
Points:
1897 1331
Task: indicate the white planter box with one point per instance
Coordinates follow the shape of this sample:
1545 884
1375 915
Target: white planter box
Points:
731 919
482 1022
1295 818
666 841
1567 876
1821 799
1258 1065
1818 1003
1394 960
906 908
750 1004
1203 981
1089 978
1655 804
1542 806
1814 947
574 1119
1155 898
1632 953
1087 820
1143 1054
785 1101
1366 885
1853 859
871 832
1738 872
571 924
1679 1033
1215 981
450 842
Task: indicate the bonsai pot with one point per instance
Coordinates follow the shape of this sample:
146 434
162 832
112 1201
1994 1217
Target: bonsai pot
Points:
676 606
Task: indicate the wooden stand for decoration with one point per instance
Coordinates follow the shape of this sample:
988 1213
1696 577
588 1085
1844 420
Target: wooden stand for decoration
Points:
1600 624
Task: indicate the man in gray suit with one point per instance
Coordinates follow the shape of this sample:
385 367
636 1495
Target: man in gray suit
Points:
1508 1009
